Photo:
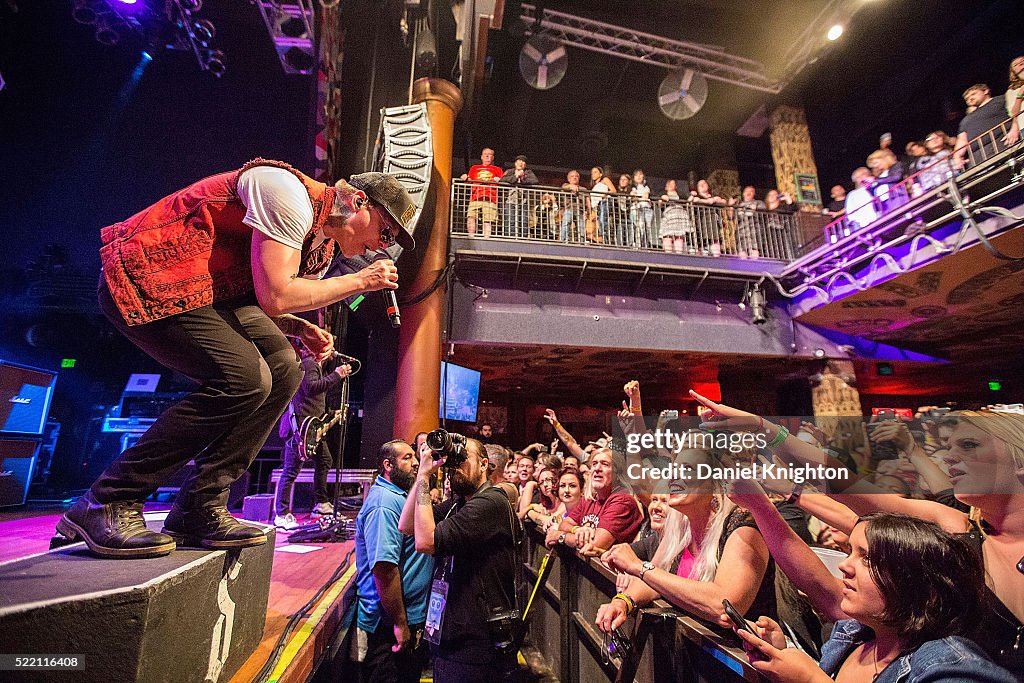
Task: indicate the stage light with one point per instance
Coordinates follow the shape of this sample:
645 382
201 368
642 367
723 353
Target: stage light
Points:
299 60
757 306
146 57
127 2
204 31
84 12
835 32
215 63
819 353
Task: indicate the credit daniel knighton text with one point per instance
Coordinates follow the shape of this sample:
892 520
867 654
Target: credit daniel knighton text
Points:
798 474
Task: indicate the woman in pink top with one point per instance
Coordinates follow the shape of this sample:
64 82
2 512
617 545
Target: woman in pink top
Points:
714 552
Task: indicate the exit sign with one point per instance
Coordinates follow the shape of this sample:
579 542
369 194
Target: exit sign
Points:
995 385
68 362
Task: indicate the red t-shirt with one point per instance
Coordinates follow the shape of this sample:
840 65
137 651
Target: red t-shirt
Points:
618 514
489 173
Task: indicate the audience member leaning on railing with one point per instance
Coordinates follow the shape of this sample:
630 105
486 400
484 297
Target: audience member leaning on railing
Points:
608 513
713 552
909 596
986 467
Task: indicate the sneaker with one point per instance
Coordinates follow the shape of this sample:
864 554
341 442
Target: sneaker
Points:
114 530
286 522
321 509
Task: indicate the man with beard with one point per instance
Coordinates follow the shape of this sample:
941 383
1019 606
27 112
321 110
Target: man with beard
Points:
392 578
474 543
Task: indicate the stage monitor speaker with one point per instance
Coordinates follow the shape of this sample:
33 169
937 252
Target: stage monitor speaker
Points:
17 462
25 395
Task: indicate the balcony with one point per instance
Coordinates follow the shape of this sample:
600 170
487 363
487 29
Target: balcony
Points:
547 233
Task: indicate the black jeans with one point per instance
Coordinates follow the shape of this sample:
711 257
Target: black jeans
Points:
292 465
384 666
499 668
247 372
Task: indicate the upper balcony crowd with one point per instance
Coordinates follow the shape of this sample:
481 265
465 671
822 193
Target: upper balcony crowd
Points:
623 210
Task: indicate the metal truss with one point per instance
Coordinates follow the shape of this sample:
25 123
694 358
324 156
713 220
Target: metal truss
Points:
290 24
595 36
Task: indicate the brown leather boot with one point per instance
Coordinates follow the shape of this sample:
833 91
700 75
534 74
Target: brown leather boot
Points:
209 525
114 530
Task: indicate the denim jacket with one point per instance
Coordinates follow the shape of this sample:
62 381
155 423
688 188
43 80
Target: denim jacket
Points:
949 659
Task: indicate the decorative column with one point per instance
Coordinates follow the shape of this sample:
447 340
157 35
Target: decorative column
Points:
725 182
835 398
791 147
418 386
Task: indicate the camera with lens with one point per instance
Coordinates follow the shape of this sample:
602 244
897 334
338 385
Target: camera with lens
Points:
507 629
447 445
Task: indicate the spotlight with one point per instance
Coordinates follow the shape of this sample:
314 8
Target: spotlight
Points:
84 12
835 32
757 306
204 31
127 2
215 63
819 353
110 32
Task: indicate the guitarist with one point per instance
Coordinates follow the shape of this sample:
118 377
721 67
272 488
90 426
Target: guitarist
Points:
308 401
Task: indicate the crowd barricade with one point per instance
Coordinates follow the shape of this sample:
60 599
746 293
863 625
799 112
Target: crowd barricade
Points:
936 172
664 644
554 215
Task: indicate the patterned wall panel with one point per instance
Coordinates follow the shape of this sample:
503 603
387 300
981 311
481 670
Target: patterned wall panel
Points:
405 149
328 93
791 147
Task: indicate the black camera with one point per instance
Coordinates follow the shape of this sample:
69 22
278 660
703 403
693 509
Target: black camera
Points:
447 445
507 629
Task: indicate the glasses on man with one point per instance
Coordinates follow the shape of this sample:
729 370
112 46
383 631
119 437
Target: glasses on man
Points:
388 235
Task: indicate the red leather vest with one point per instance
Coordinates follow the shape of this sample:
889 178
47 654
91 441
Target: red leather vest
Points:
191 248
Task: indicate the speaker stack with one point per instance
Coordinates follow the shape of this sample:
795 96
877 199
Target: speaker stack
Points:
25 395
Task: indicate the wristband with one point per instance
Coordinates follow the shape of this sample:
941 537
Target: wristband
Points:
779 438
630 605
794 495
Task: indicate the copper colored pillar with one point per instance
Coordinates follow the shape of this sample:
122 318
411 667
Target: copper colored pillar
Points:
419 347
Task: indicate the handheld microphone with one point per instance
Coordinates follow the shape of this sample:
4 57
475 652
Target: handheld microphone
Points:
347 359
391 303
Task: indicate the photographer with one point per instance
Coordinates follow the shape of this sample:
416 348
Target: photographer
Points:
473 622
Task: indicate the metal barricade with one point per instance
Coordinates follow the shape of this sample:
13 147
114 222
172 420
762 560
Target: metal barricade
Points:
664 643
549 214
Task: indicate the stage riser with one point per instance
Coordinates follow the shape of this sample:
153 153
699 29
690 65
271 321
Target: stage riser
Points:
192 616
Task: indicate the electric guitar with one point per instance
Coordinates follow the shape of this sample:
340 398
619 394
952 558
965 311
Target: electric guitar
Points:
313 430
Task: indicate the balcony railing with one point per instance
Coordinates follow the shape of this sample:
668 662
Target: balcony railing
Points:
547 214
888 198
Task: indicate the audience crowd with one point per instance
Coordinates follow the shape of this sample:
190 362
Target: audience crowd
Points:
625 211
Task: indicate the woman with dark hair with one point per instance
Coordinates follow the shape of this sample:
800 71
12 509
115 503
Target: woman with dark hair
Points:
909 594
561 492
986 468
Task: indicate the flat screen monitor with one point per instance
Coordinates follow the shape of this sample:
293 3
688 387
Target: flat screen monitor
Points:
460 391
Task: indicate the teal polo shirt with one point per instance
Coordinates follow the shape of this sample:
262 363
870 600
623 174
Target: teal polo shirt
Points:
379 540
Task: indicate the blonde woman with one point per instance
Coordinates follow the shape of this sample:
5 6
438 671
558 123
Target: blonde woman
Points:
713 553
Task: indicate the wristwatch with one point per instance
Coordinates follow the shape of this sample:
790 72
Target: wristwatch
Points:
794 495
561 538
644 568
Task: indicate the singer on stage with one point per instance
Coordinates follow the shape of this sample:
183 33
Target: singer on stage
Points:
202 281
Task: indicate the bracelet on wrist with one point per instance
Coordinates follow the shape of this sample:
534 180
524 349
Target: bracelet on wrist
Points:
781 436
630 604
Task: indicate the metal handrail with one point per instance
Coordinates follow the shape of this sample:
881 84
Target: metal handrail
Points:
686 227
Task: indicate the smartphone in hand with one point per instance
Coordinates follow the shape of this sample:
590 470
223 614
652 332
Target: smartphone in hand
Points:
735 617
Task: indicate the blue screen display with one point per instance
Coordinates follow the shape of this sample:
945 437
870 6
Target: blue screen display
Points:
460 391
